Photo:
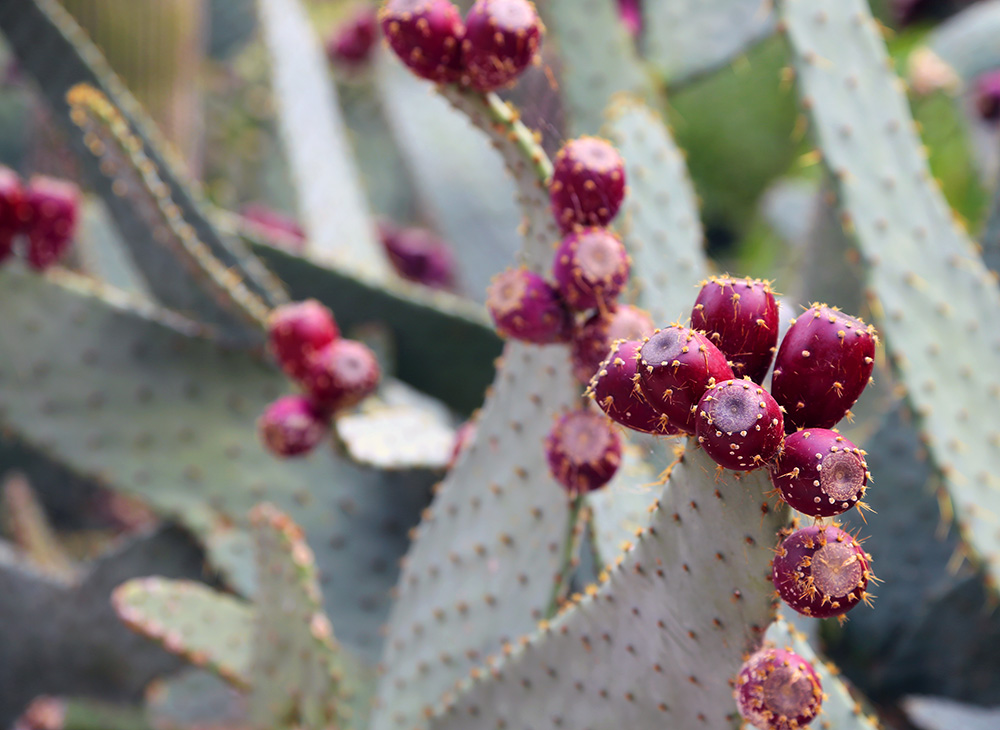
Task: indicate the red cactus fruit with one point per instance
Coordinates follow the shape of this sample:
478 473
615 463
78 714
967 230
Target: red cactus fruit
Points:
821 571
592 341
501 39
591 268
820 473
676 366
583 451
292 426
630 11
351 44
11 210
426 35
739 425
51 208
341 375
740 317
525 307
588 183
615 390
286 230
824 362
418 255
298 331
778 690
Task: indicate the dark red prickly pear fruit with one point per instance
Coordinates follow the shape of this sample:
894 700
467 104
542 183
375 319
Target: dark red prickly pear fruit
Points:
592 342
418 255
292 426
676 366
616 391
583 450
588 183
739 425
824 362
341 375
821 571
820 473
51 208
740 317
525 307
591 268
778 690
988 96
11 210
272 223
426 35
298 331
352 43
501 39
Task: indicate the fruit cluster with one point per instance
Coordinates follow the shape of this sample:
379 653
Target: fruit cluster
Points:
335 373
44 211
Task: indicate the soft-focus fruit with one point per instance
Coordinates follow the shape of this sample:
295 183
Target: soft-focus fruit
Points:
987 95
426 35
281 228
525 307
778 690
418 255
11 210
590 268
739 424
298 331
820 473
341 375
821 571
352 43
583 450
51 208
291 426
592 341
588 183
501 39
615 389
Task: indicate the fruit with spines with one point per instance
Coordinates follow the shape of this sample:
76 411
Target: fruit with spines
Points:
426 35
777 689
292 426
740 317
502 38
615 389
351 43
11 210
51 209
676 366
418 255
739 425
821 571
824 361
591 268
341 375
298 331
588 183
820 473
583 451
525 307
592 341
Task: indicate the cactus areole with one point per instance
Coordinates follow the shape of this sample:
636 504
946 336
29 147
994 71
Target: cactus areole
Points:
778 690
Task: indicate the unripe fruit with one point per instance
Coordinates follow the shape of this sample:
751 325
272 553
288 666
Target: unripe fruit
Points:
292 426
592 342
525 307
352 43
615 389
739 425
51 208
583 451
418 255
820 473
821 571
588 183
11 210
591 268
501 40
676 366
426 35
298 331
778 690
341 375
824 362
740 317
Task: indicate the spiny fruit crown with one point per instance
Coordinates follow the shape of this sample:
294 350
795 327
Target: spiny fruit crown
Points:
298 331
591 268
525 307
778 690
820 473
588 183
615 390
502 38
583 451
739 424
426 35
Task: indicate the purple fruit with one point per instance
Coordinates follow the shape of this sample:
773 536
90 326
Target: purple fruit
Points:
341 375
426 35
592 342
419 256
615 389
11 210
51 208
292 426
630 11
740 317
583 451
352 43
987 96
588 183
820 473
591 268
778 690
298 331
821 571
676 366
526 308
824 362
501 39
739 425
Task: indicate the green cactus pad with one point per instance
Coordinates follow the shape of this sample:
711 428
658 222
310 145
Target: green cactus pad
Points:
102 252
928 286
194 698
936 713
25 521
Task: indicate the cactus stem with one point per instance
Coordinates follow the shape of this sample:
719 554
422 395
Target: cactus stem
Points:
567 560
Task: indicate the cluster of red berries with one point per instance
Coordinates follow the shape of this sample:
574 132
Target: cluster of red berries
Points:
44 211
487 51
335 373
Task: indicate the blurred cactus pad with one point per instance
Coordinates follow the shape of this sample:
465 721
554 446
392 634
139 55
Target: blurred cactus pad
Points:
336 380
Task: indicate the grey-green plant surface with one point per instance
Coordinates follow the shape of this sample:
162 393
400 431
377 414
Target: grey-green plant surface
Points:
968 42
931 713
